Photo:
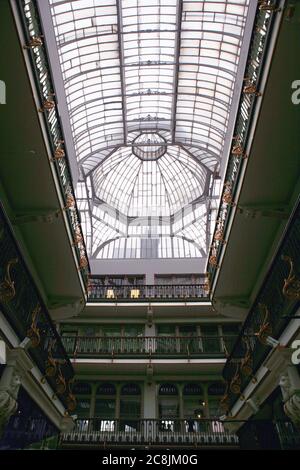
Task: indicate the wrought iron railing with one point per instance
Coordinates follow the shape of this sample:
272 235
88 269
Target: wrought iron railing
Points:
145 346
248 101
172 431
48 108
24 309
97 292
150 431
275 305
23 432
288 434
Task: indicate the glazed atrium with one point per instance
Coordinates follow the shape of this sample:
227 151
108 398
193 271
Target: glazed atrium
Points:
149 224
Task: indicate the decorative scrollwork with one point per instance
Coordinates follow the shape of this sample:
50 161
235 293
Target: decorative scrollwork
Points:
225 400
78 238
34 333
250 88
264 5
48 104
51 364
247 361
207 286
227 194
35 41
71 399
83 262
291 286
61 385
70 201
235 384
7 286
266 327
59 151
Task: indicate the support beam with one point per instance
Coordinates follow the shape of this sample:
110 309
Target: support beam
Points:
275 211
32 216
176 68
122 68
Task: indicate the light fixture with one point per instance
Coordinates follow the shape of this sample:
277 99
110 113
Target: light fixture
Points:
110 294
134 293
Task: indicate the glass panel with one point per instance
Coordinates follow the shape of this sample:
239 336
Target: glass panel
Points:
149 89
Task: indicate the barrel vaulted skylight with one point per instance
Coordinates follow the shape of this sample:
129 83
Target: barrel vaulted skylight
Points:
149 87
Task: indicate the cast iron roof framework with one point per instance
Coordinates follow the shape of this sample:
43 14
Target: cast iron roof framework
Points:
149 86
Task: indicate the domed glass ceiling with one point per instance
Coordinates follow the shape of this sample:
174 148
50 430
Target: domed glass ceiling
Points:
150 87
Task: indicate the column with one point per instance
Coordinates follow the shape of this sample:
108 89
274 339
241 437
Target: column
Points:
118 407
289 382
205 396
93 400
17 365
149 408
150 334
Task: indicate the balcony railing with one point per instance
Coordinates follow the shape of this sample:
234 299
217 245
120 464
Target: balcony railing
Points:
275 305
157 346
145 293
48 107
255 64
110 432
171 431
25 311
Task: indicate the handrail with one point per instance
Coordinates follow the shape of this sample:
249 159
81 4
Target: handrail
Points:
98 292
44 83
150 431
190 431
143 346
276 303
25 310
248 101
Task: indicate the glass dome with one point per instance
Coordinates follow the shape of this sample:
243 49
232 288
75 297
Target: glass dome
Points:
151 90
149 146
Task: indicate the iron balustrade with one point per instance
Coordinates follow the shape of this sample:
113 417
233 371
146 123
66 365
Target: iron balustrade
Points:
25 311
289 435
109 431
270 314
44 83
21 433
98 292
144 346
248 101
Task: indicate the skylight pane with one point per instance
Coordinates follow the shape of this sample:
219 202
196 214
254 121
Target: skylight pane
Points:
149 89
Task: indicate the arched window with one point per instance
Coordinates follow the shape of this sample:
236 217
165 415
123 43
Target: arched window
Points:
106 389
168 389
82 388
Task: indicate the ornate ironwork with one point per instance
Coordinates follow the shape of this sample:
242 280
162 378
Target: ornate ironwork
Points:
247 361
26 312
262 26
7 286
235 384
71 399
34 333
35 41
291 286
265 329
61 385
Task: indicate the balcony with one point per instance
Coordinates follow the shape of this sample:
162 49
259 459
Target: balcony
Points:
98 292
173 432
276 304
247 106
149 432
150 346
25 311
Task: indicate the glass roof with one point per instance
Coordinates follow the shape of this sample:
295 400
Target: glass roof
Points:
149 87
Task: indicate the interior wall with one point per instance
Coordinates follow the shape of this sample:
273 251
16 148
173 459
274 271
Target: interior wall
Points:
150 267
